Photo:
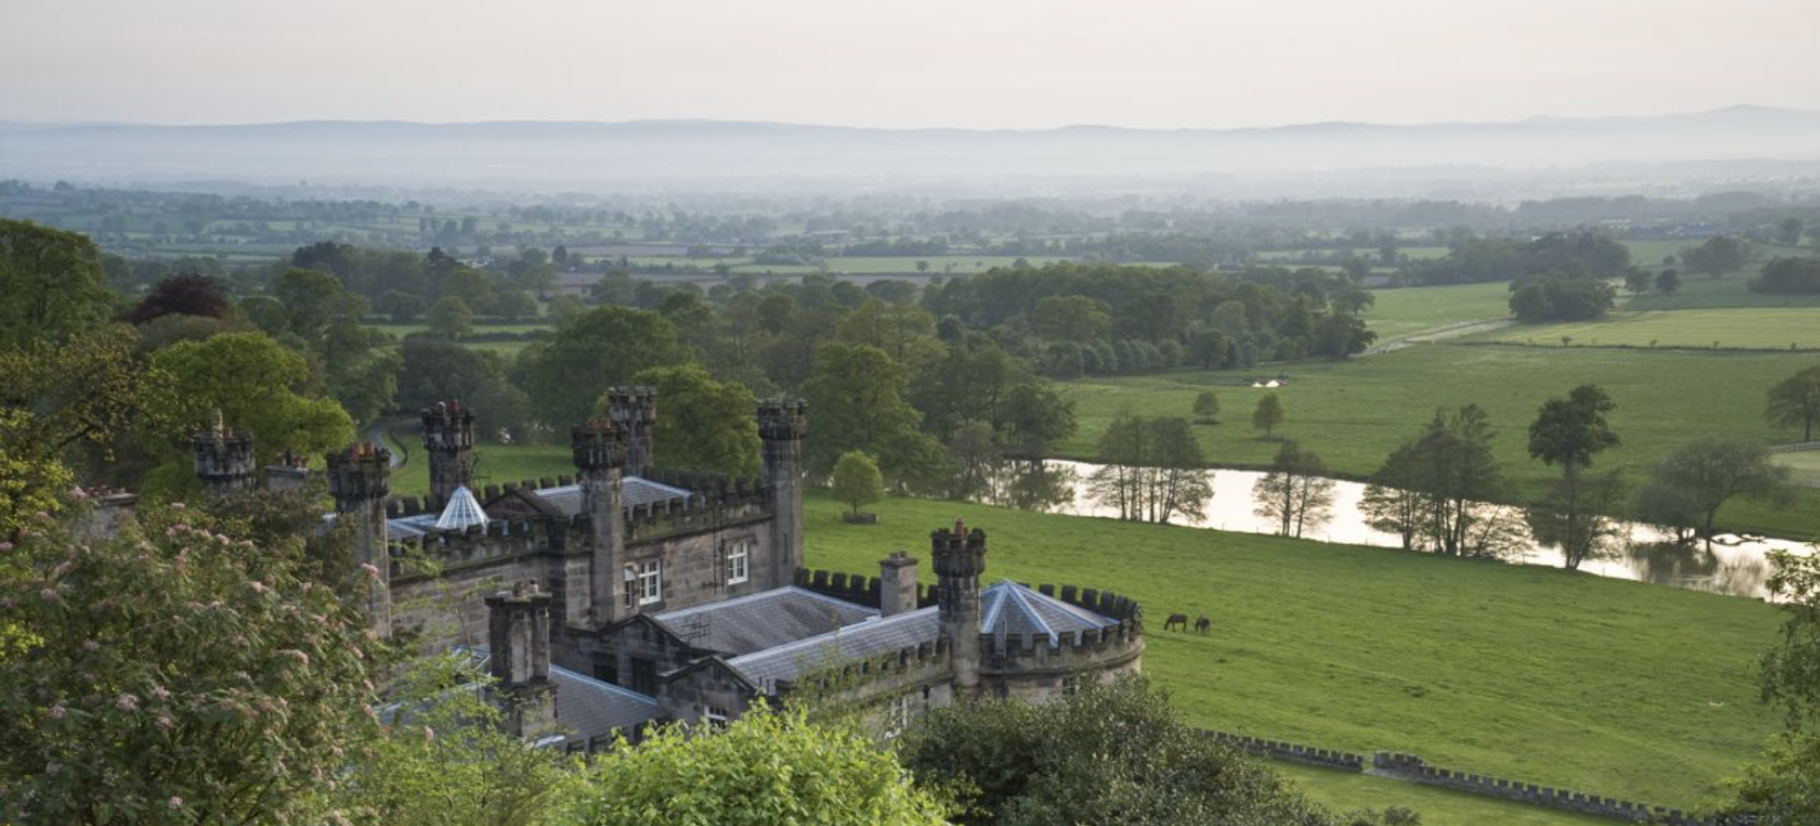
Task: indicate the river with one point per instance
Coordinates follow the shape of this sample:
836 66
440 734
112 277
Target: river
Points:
1737 565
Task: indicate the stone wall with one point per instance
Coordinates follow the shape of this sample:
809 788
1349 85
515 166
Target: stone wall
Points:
1293 752
1413 768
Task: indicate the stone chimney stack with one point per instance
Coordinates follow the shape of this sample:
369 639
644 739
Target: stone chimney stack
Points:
897 584
518 640
448 441
359 480
224 459
290 472
960 558
634 409
782 425
596 592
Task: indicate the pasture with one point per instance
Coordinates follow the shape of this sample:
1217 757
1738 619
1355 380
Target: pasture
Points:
1355 412
1406 310
1557 678
1757 328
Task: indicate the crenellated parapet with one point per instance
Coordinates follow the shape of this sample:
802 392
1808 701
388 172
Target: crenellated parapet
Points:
360 474
1074 652
598 444
783 420
634 409
690 514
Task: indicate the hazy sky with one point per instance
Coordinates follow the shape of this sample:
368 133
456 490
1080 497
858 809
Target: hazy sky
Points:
967 63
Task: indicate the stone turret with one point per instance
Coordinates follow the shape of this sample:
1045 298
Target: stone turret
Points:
897 584
782 425
289 472
224 459
518 641
448 442
359 480
634 409
960 558
606 596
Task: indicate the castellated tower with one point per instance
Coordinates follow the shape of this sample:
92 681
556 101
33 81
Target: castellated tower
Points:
224 460
634 409
960 558
782 425
448 440
359 480
603 596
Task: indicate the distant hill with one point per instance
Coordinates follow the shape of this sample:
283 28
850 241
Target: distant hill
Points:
545 155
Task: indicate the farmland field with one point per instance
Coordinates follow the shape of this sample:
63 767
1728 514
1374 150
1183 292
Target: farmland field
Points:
1749 328
1399 312
1803 467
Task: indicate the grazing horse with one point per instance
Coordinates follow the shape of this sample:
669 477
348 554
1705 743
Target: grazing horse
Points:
1176 620
1201 625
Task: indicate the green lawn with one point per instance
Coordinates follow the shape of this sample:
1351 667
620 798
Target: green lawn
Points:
1617 688
1354 413
494 464
1700 292
1803 466
1345 791
1399 312
1750 328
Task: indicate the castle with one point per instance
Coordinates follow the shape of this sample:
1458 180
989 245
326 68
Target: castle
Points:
627 594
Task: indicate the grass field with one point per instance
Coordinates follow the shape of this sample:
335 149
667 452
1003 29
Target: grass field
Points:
1803 467
1400 312
1354 413
1750 328
1698 292
1556 678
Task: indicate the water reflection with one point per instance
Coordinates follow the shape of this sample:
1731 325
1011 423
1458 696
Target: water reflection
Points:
1736 568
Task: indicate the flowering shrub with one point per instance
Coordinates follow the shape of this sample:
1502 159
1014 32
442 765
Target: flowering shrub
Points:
171 674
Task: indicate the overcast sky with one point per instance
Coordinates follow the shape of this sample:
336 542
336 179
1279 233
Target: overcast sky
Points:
963 63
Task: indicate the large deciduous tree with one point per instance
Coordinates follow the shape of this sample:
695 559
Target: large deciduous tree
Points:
592 352
1709 472
1295 493
766 768
1569 432
189 294
1152 470
1718 255
1795 402
177 676
857 480
1268 415
51 284
702 423
856 393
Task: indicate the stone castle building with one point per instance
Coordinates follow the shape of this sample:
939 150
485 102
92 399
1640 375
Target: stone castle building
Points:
626 594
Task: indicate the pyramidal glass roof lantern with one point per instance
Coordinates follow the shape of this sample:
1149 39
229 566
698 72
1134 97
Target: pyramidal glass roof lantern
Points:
462 512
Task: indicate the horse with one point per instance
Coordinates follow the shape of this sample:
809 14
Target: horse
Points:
1201 625
1175 620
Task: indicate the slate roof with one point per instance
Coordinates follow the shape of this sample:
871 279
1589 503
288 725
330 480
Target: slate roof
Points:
588 708
868 639
564 500
763 620
1006 608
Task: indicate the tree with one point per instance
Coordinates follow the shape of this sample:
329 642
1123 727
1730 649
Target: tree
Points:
51 284
1570 432
1785 790
1268 415
1152 470
1560 298
1077 318
1788 231
1719 255
1110 753
191 294
515 304
401 307
311 300
1207 407
706 425
857 480
1393 503
1795 402
1572 516
767 767
592 352
450 319
856 391
178 676
1709 472
1034 416
1295 492
1636 280
1455 472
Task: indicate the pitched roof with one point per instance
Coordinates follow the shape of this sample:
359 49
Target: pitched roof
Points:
1010 609
867 639
637 490
461 512
562 500
763 620
588 708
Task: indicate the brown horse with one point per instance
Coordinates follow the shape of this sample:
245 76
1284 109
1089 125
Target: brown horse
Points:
1201 625
1176 620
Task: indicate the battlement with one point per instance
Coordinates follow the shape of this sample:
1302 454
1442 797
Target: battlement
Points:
1413 768
599 445
1073 651
360 473
783 420
224 459
632 403
447 426
885 673
1293 752
689 514
959 553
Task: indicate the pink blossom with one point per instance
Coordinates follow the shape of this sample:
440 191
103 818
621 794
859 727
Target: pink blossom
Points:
294 654
51 769
176 802
177 506
372 571
5 546
257 586
78 494
161 693
57 711
165 722
428 734
127 702
91 645
48 594
42 516
61 569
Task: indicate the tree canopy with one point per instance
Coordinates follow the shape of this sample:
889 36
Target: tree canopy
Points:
592 352
51 284
1795 402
